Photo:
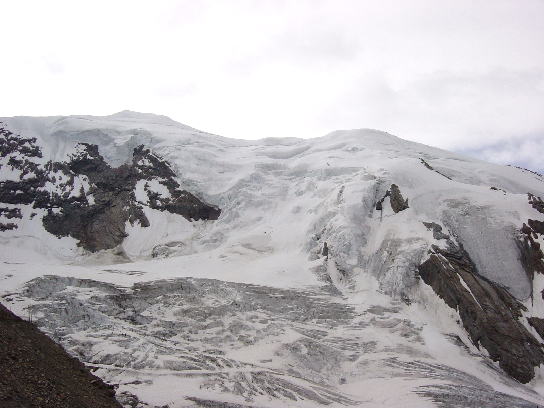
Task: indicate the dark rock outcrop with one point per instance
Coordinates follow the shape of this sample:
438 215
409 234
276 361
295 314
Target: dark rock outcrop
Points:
537 226
150 167
489 313
498 189
527 170
23 154
10 213
325 250
538 325
531 255
36 372
398 203
7 226
428 166
101 225
530 252
536 202
95 217
12 142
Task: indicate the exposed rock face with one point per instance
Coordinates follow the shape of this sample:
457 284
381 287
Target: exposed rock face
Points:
7 226
536 173
490 314
37 372
11 143
102 225
86 198
531 255
23 154
538 324
10 212
150 167
325 251
398 203
498 189
537 203
428 166
99 224
537 226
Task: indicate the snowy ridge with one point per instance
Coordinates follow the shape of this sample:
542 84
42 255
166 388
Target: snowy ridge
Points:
282 202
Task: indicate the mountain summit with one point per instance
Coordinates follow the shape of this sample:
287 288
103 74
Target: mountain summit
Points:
355 268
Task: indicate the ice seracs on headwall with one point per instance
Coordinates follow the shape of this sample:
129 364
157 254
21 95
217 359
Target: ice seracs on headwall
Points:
87 199
420 223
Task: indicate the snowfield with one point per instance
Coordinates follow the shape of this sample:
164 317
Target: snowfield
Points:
249 310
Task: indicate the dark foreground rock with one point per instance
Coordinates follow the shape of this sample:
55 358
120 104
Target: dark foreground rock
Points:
35 372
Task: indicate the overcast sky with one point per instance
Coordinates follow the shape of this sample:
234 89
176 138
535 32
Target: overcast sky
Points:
461 75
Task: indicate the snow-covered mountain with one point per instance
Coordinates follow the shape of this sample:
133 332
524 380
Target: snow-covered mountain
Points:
354 269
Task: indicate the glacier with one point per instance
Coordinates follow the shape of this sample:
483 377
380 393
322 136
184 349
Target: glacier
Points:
353 269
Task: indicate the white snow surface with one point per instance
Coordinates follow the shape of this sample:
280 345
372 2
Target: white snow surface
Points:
281 200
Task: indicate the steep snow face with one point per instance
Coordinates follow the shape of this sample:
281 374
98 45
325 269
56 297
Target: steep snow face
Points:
282 201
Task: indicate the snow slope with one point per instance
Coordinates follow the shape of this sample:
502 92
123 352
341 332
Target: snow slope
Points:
390 340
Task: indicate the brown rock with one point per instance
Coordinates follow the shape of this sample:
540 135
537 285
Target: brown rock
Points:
36 372
398 203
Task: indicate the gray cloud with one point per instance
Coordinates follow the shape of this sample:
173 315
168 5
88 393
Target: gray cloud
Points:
465 75
448 109
526 152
